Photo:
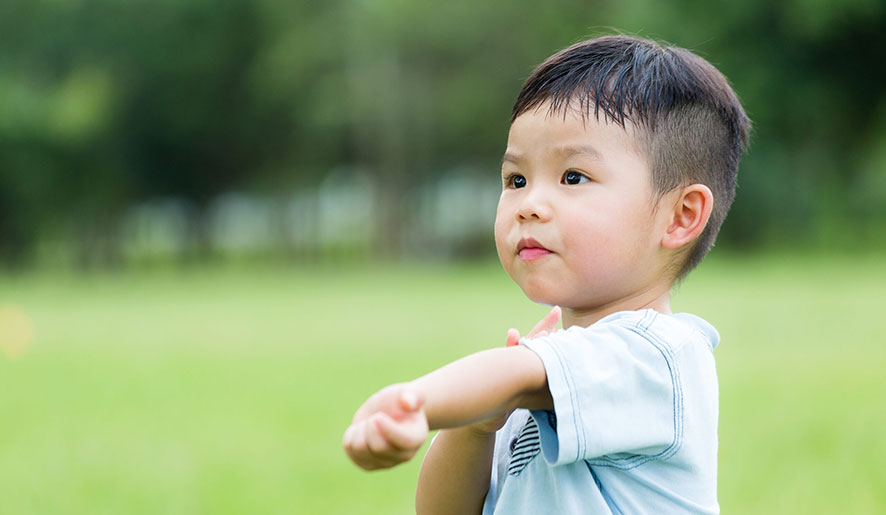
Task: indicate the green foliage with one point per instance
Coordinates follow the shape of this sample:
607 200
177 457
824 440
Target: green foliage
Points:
107 103
227 390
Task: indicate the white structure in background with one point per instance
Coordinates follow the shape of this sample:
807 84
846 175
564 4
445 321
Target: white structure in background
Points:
341 213
457 209
346 208
240 223
157 229
337 214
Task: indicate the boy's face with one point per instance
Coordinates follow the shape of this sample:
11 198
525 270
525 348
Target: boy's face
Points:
576 224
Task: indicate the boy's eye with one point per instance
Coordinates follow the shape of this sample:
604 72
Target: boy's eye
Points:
573 177
516 181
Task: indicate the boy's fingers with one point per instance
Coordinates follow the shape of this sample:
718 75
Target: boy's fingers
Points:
359 451
548 323
551 319
411 401
368 447
387 400
375 442
513 338
383 455
346 438
401 437
538 326
363 411
354 444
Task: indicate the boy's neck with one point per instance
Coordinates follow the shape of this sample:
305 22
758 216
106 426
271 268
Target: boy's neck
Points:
657 298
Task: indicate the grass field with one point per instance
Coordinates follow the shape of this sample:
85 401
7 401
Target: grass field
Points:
227 390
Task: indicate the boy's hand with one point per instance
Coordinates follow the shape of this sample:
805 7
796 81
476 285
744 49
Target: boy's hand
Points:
544 327
387 430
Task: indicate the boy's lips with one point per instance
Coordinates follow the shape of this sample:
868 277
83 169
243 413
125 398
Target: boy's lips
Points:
529 250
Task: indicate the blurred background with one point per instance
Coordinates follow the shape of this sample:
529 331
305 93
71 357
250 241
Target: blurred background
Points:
135 131
225 223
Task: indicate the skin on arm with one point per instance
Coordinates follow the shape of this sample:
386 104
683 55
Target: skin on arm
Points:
474 396
393 423
456 471
483 385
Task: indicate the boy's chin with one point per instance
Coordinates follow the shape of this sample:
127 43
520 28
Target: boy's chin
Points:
542 297
541 291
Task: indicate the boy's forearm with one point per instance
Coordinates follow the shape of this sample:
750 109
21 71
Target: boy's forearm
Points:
393 423
483 385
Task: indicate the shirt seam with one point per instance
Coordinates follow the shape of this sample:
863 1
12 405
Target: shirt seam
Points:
576 411
633 461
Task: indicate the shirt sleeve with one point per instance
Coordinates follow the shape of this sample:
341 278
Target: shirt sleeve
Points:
617 395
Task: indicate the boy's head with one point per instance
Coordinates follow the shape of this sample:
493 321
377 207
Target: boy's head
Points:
630 151
689 123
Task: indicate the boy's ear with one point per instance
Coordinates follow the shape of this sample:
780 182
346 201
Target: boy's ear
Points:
689 216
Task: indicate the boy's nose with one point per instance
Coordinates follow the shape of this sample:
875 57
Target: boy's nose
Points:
533 207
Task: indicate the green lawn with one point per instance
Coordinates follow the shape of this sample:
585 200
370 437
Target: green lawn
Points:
227 390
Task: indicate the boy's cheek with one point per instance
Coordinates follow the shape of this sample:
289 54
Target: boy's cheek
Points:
501 230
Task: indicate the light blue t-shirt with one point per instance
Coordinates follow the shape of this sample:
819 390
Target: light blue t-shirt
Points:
634 425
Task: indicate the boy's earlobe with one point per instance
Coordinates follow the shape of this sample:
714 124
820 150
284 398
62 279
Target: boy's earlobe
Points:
689 216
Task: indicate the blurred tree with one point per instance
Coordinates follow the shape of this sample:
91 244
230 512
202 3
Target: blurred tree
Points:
106 103
190 126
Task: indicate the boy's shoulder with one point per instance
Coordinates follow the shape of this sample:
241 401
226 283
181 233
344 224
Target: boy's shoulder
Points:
672 330
642 343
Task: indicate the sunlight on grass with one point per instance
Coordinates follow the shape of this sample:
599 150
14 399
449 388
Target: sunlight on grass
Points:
227 390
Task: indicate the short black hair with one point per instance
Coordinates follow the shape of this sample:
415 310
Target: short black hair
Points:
691 124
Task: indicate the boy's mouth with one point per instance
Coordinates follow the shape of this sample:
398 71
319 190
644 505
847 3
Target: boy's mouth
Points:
529 250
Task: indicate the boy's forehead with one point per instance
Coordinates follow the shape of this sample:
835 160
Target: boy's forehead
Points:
569 132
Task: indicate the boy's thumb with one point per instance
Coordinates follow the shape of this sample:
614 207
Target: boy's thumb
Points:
411 401
513 338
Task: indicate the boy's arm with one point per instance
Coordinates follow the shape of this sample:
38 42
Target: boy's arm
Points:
455 473
393 423
390 427
482 386
496 380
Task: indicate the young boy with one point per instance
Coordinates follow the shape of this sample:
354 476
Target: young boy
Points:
619 170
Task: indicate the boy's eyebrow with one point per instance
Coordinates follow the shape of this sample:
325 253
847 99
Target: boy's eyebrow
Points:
567 151
511 157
